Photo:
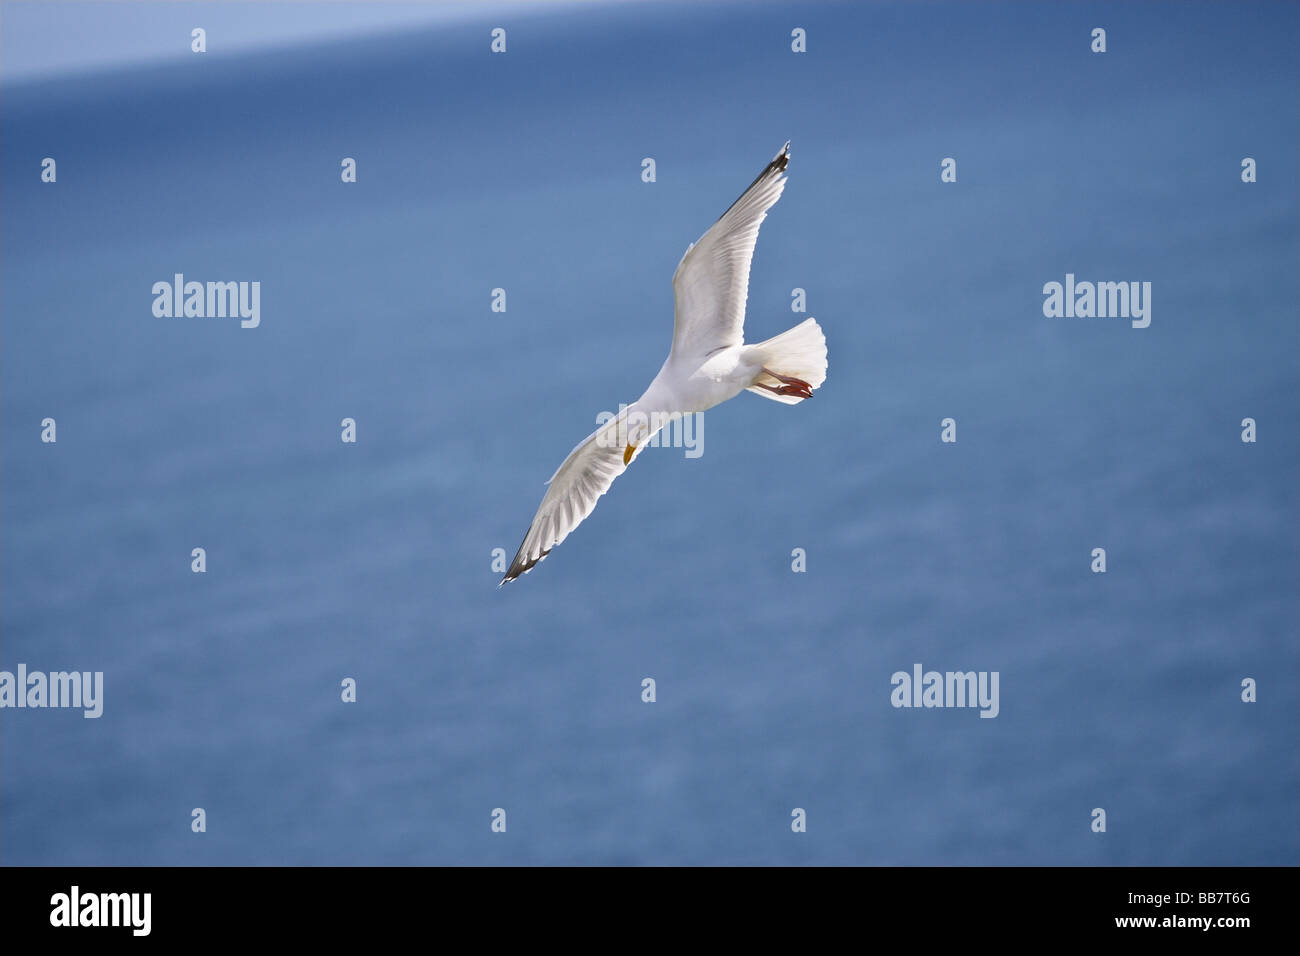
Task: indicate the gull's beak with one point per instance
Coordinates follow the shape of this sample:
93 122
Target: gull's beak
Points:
627 453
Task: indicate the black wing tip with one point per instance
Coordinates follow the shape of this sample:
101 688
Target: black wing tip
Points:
782 159
518 567
778 164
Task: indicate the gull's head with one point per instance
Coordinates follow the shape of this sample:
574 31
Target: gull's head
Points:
638 429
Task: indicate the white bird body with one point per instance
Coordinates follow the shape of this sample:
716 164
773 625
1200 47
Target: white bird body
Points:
685 386
709 363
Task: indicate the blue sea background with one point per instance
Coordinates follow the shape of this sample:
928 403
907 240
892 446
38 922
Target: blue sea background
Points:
522 171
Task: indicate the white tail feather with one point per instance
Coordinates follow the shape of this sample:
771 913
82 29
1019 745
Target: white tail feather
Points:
799 353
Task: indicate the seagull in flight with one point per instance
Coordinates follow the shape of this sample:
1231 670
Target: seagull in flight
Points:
708 363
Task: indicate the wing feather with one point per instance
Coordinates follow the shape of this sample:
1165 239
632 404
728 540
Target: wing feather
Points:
711 283
573 491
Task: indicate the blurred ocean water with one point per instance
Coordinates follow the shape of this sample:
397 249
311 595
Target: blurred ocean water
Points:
522 171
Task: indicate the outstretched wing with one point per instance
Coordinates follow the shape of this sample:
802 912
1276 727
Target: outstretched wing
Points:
574 489
712 280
